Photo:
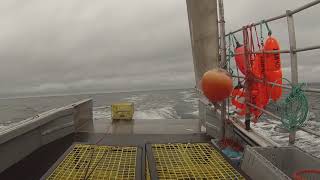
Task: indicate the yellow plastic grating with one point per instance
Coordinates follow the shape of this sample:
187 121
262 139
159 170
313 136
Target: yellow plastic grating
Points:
107 162
147 172
191 161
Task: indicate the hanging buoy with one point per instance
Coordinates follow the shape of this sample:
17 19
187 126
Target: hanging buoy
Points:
273 72
238 100
216 85
239 58
259 97
258 66
275 92
272 60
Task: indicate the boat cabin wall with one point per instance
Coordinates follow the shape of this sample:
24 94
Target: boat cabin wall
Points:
19 140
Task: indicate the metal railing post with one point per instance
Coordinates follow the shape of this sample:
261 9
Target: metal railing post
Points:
248 81
294 60
222 62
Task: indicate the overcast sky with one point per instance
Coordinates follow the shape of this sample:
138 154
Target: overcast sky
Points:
72 46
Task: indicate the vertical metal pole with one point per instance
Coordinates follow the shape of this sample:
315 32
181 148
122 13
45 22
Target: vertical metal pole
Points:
247 83
222 62
294 61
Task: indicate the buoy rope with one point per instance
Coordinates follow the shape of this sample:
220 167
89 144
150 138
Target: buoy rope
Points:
230 53
255 29
261 35
294 108
233 39
263 22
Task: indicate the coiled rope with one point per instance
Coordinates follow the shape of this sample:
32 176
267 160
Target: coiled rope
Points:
294 108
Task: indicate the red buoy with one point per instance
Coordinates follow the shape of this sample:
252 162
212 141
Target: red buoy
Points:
273 68
273 62
237 94
240 59
216 85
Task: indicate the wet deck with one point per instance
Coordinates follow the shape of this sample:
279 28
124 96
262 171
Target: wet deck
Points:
136 132
143 126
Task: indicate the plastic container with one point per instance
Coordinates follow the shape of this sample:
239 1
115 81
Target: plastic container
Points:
122 111
276 162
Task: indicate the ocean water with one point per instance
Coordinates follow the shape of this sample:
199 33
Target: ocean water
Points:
273 129
159 104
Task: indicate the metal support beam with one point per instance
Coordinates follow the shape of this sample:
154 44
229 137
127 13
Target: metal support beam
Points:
306 6
313 90
307 48
265 111
223 61
313 3
247 83
294 61
203 26
310 131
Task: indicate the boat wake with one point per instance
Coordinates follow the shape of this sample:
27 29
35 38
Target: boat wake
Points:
152 113
273 130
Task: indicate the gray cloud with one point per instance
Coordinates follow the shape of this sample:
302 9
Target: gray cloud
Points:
75 46
65 46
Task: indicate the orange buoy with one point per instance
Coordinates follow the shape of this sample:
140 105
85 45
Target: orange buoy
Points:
237 94
240 59
258 66
259 97
216 84
274 92
272 60
273 68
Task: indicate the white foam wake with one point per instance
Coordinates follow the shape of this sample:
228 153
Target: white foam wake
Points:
273 130
157 113
153 113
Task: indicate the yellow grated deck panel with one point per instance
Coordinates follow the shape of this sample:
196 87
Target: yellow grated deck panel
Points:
147 171
192 161
107 162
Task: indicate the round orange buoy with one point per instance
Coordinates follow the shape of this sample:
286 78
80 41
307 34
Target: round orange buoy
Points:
216 84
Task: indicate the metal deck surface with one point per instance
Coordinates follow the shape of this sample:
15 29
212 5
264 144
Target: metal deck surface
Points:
137 133
143 126
35 165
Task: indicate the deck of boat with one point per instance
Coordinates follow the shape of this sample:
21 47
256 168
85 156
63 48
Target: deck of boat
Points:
143 126
124 132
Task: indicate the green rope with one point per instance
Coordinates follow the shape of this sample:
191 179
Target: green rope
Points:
294 108
230 53
261 35
267 26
